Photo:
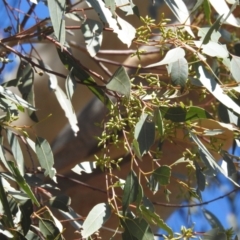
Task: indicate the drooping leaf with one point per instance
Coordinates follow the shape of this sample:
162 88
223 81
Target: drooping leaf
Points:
73 217
222 9
137 228
179 72
48 229
61 202
171 56
124 30
235 68
162 175
213 220
136 149
144 133
6 209
215 27
120 82
95 219
154 218
213 49
201 181
130 191
92 33
25 77
179 114
22 182
56 11
5 232
148 204
15 98
230 168
64 102
180 10
153 184
159 122
86 167
16 150
208 159
207 10
213 87
45 157
83 76
70 85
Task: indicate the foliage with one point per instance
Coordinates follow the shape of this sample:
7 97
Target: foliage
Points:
145 110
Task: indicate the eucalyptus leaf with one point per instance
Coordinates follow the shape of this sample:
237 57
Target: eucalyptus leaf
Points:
144 133
45 157
120 82
154 218
22 182
61 202
235 68
137 228
213 87
48 229
16 150
162 175
92 33
171 56
95 219
56 11
130 191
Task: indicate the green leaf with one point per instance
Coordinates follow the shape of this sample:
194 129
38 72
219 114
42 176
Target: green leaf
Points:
124 30
213 87
70 85
208 159
78 71
179 114
49 229
45 157
6 209
171 56
130 191
92 33
154 218
148 204
136 149
120 82
213 220
144 133
201 181
25 77
159 121
15 98
137 228
207 10
235 68
32 236
72 216
16 150
22 182
162 175
214 27
56 11
231 169
87 167
179 72
153 184
95 219
61 202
